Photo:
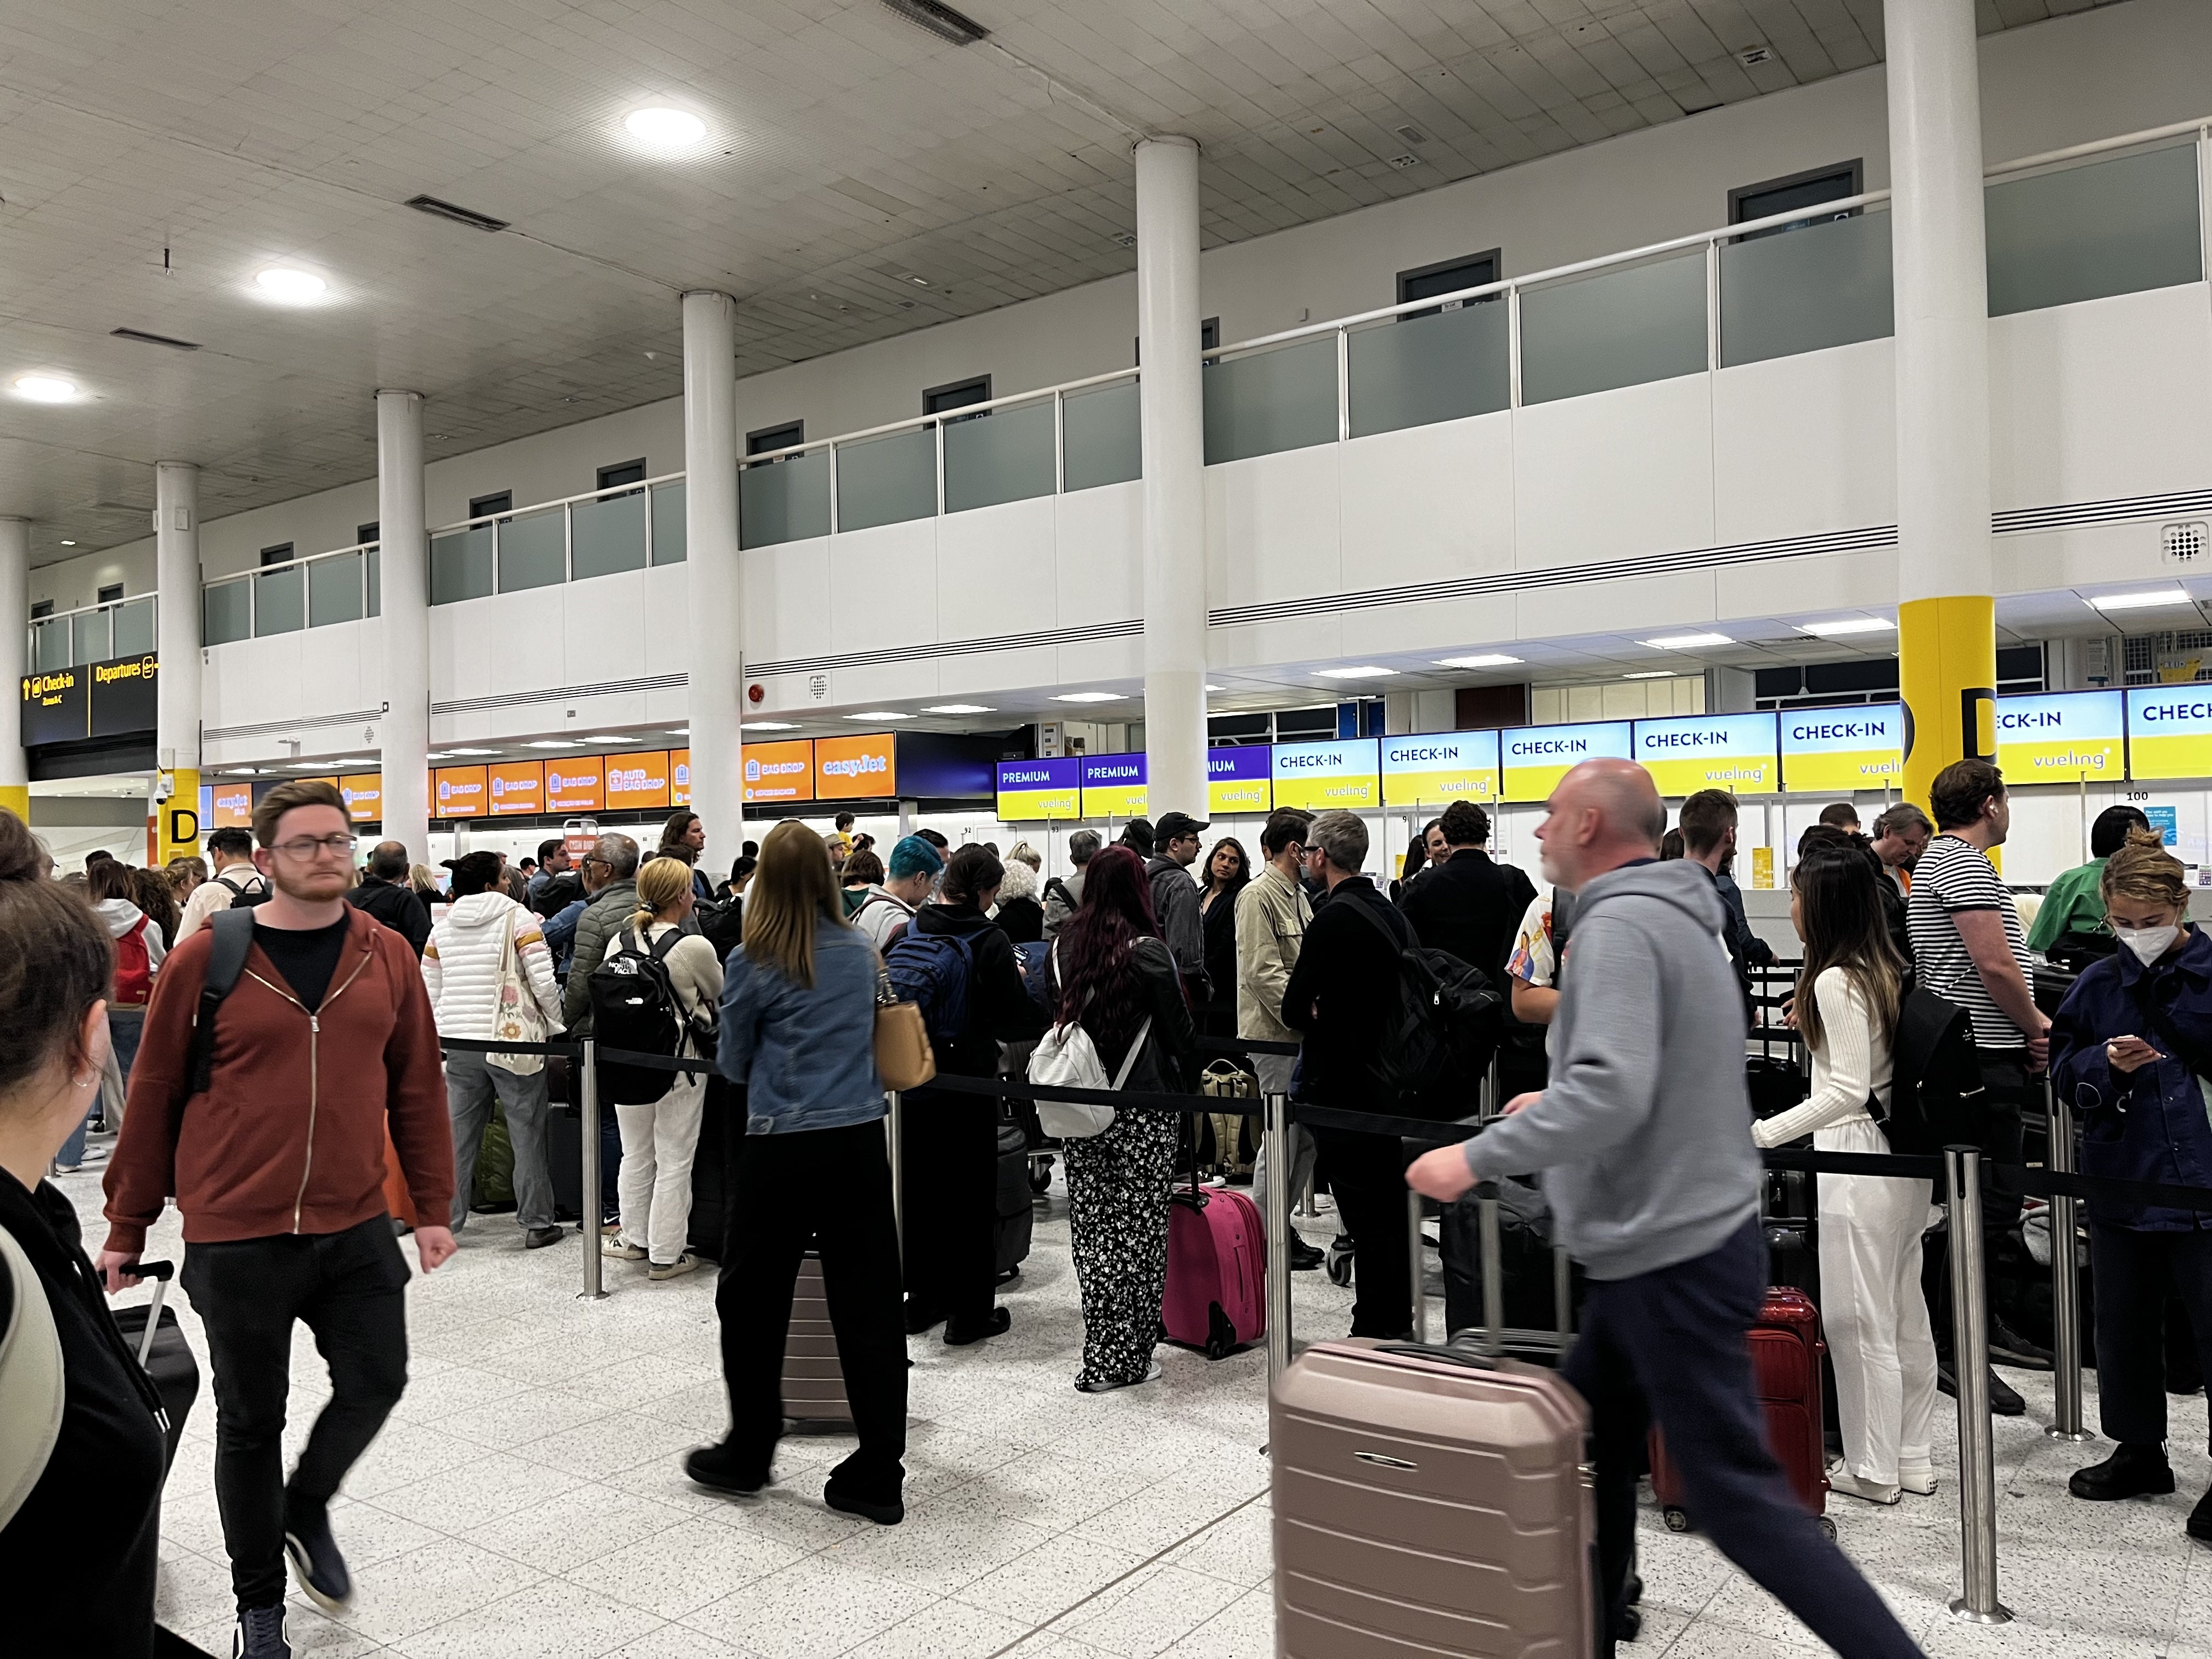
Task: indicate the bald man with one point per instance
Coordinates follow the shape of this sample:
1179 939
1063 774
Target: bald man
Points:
1645 1131
385 894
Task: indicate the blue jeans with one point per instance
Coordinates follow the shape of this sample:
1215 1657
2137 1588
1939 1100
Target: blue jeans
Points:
1669 1344
124 1027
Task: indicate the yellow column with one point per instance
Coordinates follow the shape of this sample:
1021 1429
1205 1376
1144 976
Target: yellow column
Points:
1946 660
178 831
17 797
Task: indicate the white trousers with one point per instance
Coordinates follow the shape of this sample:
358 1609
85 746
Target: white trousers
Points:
1871 1305
654 1187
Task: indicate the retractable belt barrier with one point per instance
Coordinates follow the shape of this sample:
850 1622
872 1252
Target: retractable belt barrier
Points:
478 1046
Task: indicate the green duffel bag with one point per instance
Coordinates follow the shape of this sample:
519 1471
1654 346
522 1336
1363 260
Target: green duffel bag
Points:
494 1181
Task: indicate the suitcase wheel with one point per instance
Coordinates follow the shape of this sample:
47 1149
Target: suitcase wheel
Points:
1828 1525
1220 1333
1677 1520
1039 1174
1629 1626
1339 1265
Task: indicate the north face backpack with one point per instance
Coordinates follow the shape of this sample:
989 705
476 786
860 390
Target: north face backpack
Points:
933 972
1444 1021
633 1006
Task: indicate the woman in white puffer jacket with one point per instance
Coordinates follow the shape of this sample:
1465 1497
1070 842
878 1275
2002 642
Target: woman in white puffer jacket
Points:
464 966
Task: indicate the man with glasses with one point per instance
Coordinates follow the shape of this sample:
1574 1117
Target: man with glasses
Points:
271 1134
1273 914
610 872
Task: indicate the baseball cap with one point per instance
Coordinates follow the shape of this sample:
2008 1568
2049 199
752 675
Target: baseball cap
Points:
914 856
1174 826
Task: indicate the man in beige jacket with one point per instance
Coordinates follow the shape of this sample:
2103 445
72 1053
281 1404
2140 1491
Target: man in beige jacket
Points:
1272 915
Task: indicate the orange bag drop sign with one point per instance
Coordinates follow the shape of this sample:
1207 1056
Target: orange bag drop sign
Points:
679 777
637 783
364 797
575 786
518 789
779 771
462 792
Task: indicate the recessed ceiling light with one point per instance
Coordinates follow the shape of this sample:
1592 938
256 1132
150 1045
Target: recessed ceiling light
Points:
473 751
1357 672
1217 688
68 543
552 743
1848 625
1486 659
1088 696
1651 674
292 286
879 714
769 726
2104 601
666 128
679 730
602 738
1687 642
45 388
959 708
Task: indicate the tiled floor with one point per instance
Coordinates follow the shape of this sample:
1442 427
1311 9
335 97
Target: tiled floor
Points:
525 1502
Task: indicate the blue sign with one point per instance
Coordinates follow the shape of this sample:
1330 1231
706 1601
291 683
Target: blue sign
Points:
2166 821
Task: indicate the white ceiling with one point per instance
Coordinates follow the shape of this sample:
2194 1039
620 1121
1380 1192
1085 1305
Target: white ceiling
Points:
156 154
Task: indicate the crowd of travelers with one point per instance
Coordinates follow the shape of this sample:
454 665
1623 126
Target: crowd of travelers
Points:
308 1009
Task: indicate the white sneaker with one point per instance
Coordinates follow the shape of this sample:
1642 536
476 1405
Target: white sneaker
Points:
683 1264
1843 1480
612 1247
1918 1478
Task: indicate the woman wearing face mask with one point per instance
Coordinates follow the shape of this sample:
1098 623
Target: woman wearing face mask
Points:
2132 1050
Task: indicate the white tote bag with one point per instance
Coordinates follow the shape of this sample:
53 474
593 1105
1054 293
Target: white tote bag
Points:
1066 1058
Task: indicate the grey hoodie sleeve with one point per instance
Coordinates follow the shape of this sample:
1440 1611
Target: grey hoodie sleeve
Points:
1604 1081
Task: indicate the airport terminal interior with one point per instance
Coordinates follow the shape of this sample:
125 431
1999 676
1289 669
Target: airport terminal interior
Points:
1028 422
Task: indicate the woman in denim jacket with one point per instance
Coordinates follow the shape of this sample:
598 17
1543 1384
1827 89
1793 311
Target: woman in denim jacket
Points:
798 1034
2131 1049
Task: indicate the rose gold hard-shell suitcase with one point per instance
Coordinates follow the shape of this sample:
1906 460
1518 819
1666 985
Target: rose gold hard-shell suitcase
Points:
1429 1500
813 1380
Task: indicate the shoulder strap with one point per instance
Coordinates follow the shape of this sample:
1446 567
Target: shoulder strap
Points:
1136 1048
1381 926
667 942
31 1360
231 934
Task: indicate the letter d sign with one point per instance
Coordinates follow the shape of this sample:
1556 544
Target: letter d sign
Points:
184 827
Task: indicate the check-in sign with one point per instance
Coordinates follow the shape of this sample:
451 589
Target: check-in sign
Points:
1239 779
1439 769
1688 753
2170 732
1535 757
2060 737
1318 777
1832 751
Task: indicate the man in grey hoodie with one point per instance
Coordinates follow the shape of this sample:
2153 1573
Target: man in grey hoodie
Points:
1644 1135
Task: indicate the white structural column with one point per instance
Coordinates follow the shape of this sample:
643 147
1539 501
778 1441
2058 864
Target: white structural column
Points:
1174 425
710 555
177 645
15 657
403 563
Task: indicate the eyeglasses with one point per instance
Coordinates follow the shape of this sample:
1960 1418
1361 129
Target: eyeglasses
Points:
304 847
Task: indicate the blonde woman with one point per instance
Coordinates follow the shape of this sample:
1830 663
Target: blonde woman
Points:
659 1137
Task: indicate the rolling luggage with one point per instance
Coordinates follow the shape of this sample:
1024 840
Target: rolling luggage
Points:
151 1332
1529 1268
1216 1291
1016 1218
1786 1351
813 1382
713 1174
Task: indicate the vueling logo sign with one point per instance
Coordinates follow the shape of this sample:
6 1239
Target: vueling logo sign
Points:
137 668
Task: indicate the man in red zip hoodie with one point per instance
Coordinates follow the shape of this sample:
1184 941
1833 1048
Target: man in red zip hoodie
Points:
278 1167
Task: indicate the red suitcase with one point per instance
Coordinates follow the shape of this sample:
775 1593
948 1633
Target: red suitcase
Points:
1217 1288
1786 1351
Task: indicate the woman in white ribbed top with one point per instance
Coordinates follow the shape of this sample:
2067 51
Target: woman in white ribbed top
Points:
1871 1305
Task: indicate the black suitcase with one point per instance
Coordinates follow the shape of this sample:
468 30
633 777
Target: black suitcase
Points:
1527 1265
1017 1219
151 1332
712 1173
564 1151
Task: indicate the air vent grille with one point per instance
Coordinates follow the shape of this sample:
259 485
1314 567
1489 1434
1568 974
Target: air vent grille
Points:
940 20
144 339
460 216
2182 543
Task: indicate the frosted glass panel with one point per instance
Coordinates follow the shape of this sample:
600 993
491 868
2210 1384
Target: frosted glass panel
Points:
1806 289
460 565
2115 226
90 641
334 590
375 556
1002 456
1271 401
134 628
1101 439
887 480
533 552
1623 328
51 648
607 536
1420 370
668 524
789 500
225 614
280 602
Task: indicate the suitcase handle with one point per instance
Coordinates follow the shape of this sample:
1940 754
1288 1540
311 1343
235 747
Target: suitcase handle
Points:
1449 1355
161 1270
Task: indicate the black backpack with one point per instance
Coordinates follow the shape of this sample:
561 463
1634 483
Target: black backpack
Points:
635 1006
243 898
1446 1020
1936 1097
232 932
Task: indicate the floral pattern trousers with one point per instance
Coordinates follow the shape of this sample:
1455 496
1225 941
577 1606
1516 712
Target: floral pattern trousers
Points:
1117 1195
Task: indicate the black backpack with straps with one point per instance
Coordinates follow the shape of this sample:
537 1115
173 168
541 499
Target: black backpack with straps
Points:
635 1007
1444 1023
245 898
232 933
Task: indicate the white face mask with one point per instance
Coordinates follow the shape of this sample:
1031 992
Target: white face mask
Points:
2148 943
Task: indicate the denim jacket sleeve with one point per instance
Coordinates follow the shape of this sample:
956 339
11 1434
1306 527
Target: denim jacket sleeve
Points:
742 1007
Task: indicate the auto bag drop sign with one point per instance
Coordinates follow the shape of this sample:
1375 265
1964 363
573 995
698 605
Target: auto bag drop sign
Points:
2170 732
1535 757
1832 751
1439 769
2060 739
1735 752
1321 777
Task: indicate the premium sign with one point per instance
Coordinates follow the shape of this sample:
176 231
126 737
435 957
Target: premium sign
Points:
1238 780
855 768
638 782
55 706
1317 777
574 786
2059 738
1535 757
2170 732
779 771
518 790
1040 789
464 792
1735 752
1834 752
1112 786
364 797
1439 769
126 694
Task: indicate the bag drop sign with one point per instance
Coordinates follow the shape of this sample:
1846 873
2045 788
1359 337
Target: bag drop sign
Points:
1535 757
777 771
639 782
1832 751
1439 769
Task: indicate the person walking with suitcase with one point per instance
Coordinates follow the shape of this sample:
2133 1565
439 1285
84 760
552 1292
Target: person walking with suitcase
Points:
313 1032
797 1024
1116 979
1643 1132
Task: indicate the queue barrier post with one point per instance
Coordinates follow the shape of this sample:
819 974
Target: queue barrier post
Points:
2065 1280
1970 1346
1275 1131
1415 1248
588 1096
895 1144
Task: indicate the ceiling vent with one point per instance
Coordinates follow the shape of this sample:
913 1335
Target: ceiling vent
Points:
2182 543
1752 56
144 339
940 20
1401 162
460 216
1411 134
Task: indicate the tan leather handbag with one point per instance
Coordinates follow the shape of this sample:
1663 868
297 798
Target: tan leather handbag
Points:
904 1059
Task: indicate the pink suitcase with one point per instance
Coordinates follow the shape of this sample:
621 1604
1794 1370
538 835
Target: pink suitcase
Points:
1217 1291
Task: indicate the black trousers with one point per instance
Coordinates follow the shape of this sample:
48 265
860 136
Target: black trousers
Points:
348 1288
830 1189
950 1160
1367 1174
2135 1273
1670 1345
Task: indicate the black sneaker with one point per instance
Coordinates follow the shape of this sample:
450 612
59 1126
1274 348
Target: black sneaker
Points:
2008 1347
2132 1471
958 1334
883 1512
317 1565
713 1465
2003 1402
538 1238
2199 1525
261 1635
1305 1257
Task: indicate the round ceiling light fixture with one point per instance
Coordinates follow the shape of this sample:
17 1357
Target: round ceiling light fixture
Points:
290 285
665 129
45 388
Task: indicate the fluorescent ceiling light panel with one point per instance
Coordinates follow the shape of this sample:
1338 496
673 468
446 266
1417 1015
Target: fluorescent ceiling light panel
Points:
665 129
66 543
473 751
879 714
2106 601
1486 659
1841 625
289 285
45 388
959 708
1651 674
1356 671
678 731
1088 696
552 743
602 738
1687 642
769 725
